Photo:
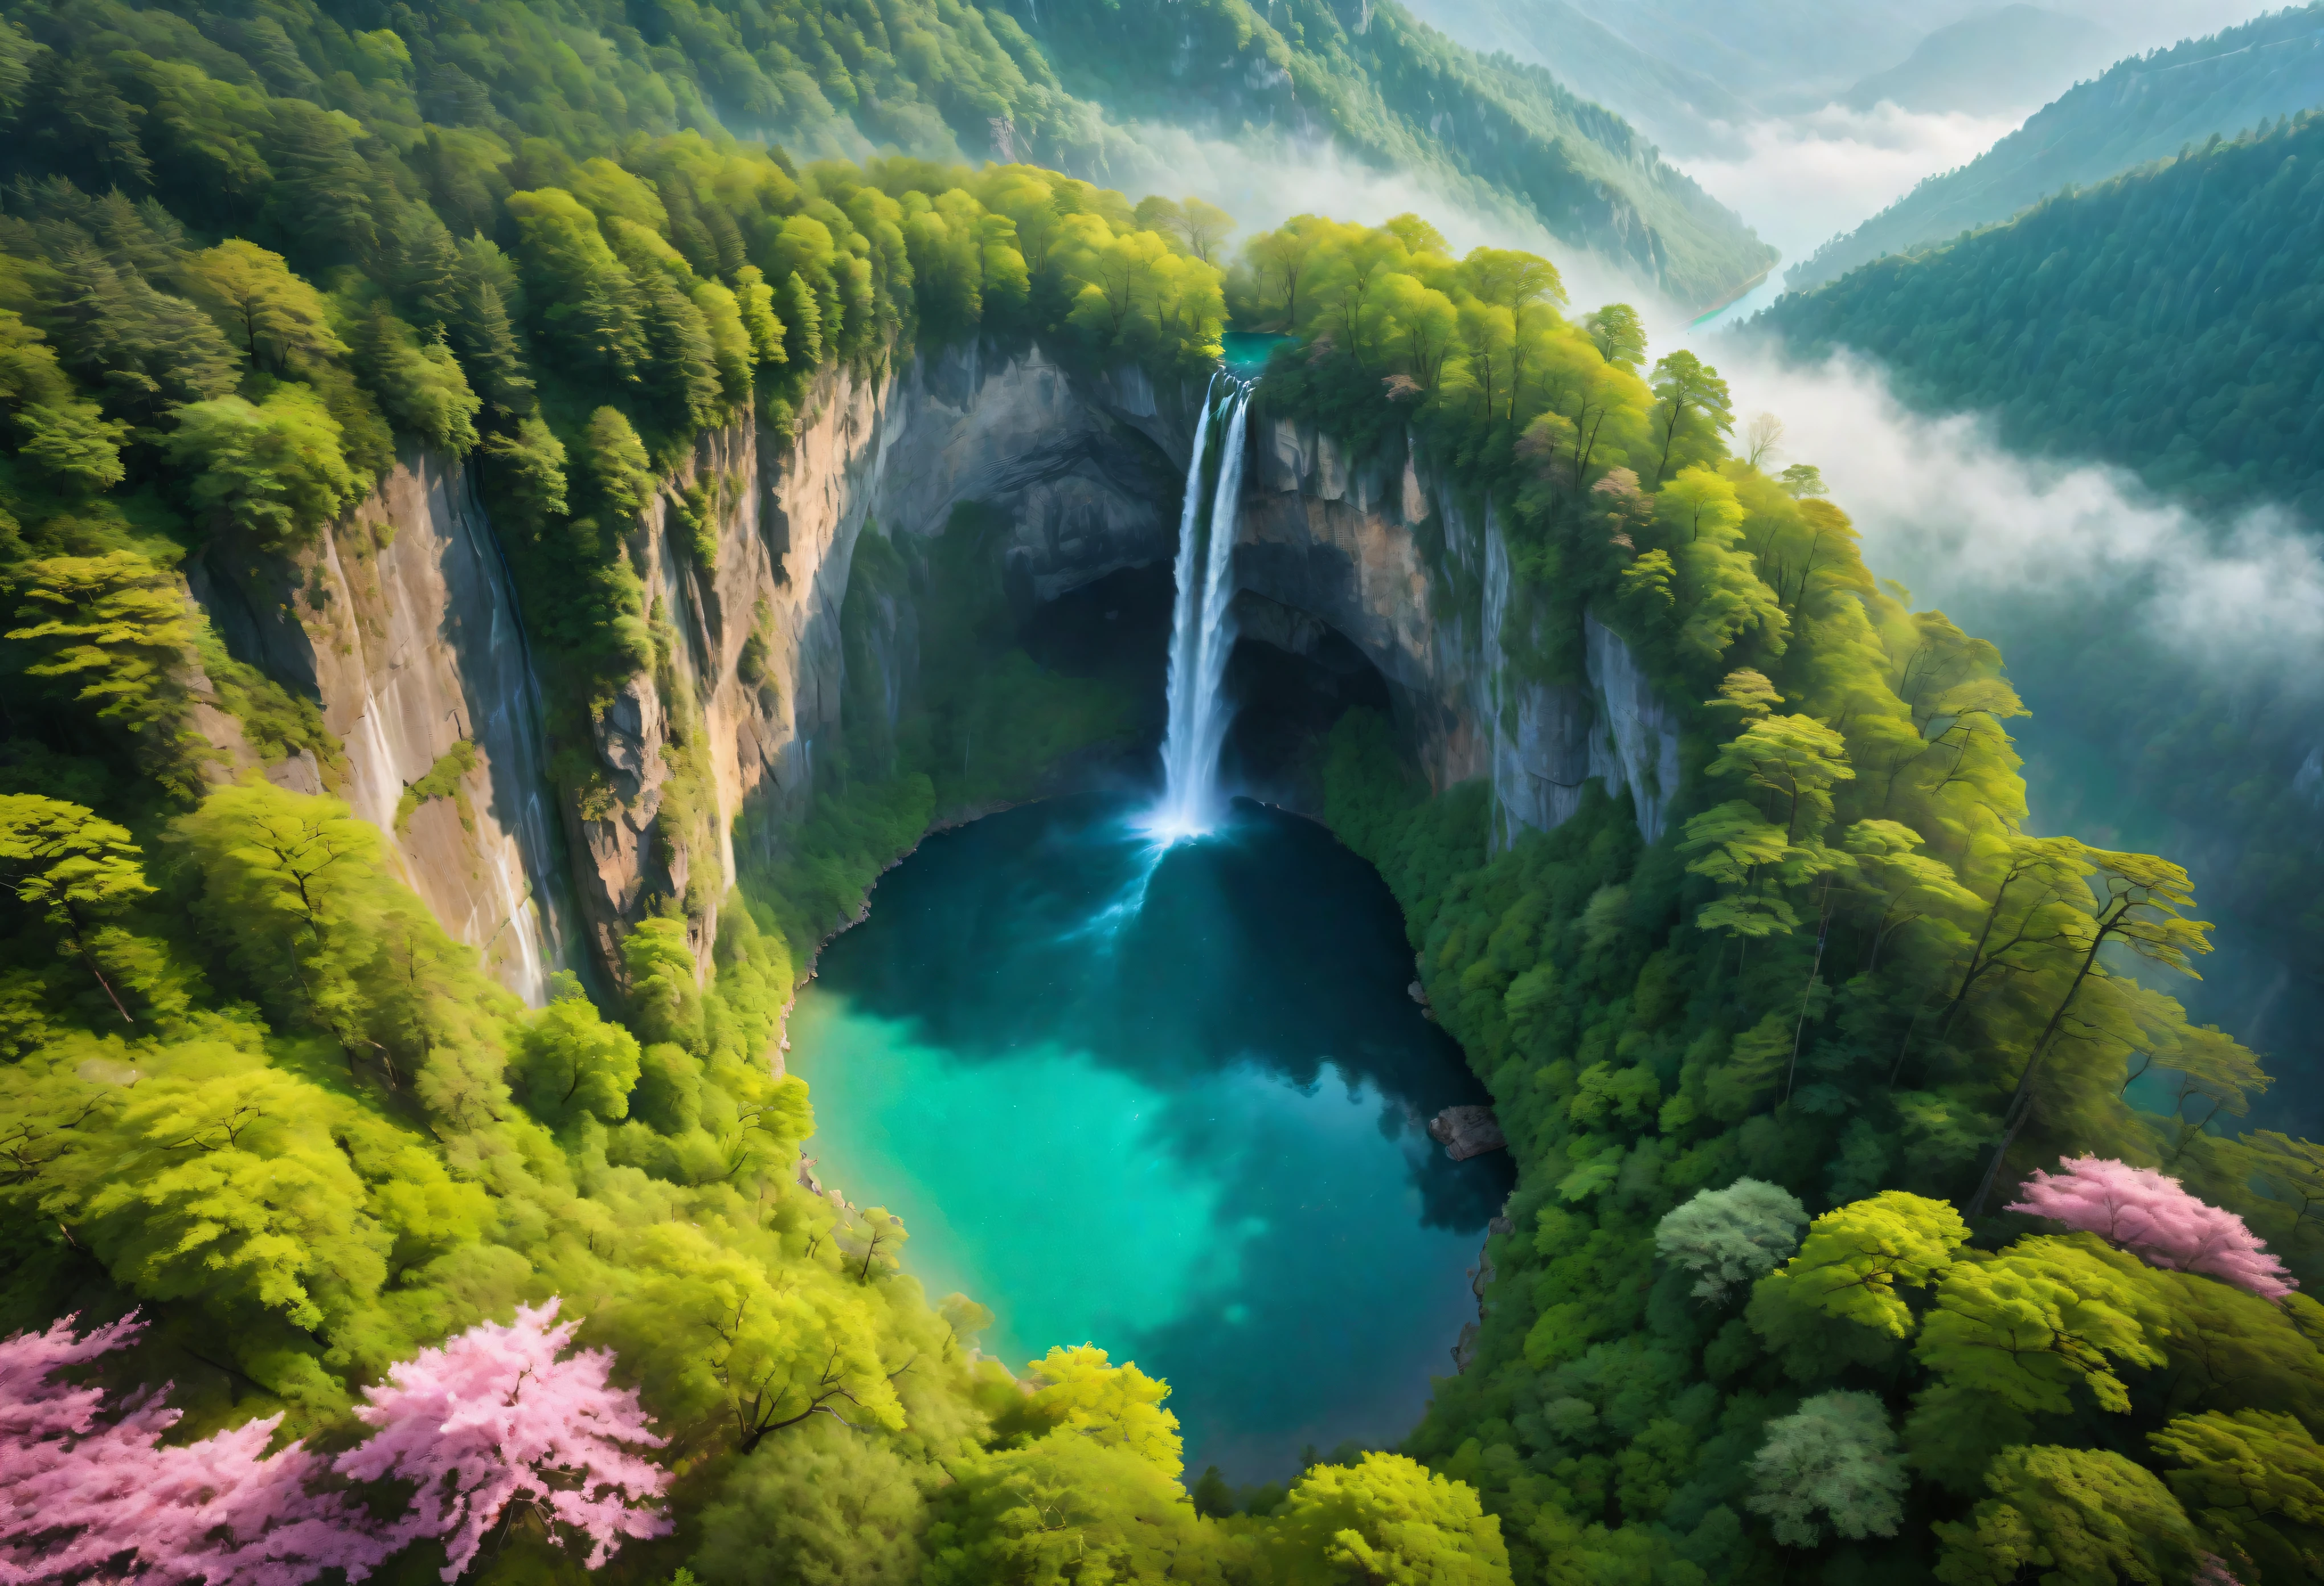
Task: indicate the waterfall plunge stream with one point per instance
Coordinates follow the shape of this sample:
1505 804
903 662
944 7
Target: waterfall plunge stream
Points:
1201 633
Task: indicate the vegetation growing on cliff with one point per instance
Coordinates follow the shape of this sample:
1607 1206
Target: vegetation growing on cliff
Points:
2157 322
1844 973
253 1091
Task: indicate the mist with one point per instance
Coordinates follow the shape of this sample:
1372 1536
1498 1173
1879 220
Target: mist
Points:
1964 522
1805 179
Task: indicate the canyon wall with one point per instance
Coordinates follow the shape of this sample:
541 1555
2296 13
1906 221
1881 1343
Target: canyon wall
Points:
1351 545
402 621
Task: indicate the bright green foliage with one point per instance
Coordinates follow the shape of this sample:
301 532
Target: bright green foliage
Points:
275 470
1834 1461
1067 1509
1853 1259
1790 763
572 1060
664 987
1390 1520
1692 409
2037 1321
62 436
1118 1407
2253 1483
420 385
826 1507
618 464
280 321
2081 1518
113 623
77 869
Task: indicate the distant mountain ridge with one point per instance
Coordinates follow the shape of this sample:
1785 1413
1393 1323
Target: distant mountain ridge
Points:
2141 110
2170 321
1404 96
2005 59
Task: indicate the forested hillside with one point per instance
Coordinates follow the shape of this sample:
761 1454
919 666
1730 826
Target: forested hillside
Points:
2150 107
323 1257
1407 98
1845 1008
270 1142
2166 321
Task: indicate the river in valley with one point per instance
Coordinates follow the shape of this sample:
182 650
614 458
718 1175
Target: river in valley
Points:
1166 1100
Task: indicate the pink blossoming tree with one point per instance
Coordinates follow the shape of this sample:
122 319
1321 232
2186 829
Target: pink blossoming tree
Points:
493 1419
79 1488
2139 1209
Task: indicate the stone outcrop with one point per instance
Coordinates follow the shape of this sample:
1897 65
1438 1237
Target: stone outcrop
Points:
1078 468
1467 1131
1344 542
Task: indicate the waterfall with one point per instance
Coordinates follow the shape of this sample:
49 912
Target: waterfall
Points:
1200 633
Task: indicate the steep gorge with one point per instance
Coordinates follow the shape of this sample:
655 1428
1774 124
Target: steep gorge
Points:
402 623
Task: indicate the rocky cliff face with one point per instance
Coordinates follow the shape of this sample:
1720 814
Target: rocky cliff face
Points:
1345 544
403 623
1079 468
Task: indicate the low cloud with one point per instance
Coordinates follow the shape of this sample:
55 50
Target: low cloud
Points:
1990 534
1804 178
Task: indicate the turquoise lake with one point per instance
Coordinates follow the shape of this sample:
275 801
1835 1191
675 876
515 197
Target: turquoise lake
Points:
1169 1101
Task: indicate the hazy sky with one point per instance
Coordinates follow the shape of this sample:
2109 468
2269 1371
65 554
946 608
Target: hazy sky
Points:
1802 177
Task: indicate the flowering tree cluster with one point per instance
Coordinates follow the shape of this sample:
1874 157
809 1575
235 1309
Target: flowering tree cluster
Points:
494 1418
491 1419
79 1490
2139 1209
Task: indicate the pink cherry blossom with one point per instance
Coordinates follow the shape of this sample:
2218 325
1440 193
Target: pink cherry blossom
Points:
494 1418
80 1488
2139 1209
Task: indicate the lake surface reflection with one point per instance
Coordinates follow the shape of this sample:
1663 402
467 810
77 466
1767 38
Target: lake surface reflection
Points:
1167 1100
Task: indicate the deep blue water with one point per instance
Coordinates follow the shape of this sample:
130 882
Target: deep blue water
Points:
1169 1101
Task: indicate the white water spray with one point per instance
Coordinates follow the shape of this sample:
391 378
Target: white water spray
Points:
1200 632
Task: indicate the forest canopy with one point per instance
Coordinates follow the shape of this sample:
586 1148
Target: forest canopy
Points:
270 1136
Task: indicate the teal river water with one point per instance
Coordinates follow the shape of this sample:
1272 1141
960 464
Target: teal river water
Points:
1166 1101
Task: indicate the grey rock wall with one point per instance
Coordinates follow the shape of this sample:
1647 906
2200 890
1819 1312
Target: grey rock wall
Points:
1344 542
402 622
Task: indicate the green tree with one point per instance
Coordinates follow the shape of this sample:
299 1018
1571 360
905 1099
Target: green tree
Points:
1064 1509
117 623
625 476
279 320
1078 1392
1831 1463
2254 1482
275 469
828 1506
1620 335
1692 410
419 383
1387 1518
2081 1517
2043 1317
574 1061
73 867
587 303
1733 1235
1853 1259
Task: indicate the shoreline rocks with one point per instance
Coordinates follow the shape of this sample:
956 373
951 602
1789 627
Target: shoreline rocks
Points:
1467 1131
